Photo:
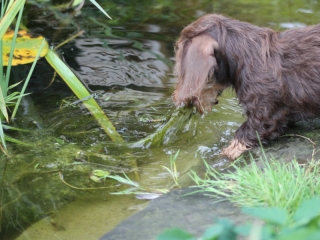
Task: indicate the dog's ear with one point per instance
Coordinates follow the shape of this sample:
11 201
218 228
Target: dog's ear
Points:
195 65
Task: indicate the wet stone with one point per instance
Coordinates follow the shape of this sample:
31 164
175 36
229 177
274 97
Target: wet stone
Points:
193 213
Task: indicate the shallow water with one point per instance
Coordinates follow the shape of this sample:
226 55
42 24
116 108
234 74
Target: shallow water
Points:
128 63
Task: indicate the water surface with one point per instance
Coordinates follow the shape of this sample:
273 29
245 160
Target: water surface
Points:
128 63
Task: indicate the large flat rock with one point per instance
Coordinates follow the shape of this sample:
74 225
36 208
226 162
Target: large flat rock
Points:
194 213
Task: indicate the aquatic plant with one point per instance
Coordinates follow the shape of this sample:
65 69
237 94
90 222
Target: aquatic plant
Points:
176 121
173 168
29 49
141 192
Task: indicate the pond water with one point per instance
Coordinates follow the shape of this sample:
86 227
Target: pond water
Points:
46 190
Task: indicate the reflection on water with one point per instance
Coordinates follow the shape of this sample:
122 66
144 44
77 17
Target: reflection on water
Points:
106 62
128 63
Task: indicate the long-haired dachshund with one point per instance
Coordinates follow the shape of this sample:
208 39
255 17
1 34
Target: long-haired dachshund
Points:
276 75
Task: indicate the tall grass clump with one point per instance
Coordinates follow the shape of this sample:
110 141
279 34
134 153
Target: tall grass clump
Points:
9 10
273 184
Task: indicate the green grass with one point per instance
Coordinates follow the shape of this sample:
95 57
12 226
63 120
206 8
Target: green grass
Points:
274 184
7 17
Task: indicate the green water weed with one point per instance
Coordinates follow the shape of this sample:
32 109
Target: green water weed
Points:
173 168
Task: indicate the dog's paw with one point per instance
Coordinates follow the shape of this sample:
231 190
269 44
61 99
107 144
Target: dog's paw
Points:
234 150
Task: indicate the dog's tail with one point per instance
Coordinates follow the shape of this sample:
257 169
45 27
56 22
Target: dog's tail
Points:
195 66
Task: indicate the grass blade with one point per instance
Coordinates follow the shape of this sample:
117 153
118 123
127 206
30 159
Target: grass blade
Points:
3 141
13 46
10 15
100 8
16 141
27 80
3 107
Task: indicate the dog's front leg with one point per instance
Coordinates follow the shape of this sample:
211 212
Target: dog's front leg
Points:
245 137
234 150
268 125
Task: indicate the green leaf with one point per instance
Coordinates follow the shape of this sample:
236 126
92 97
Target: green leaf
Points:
16 141
7 127
95 179
126 180
308 210
271 214
14 85
228 232
76 3
175 234
100 173
25 50
243 230
212 232
303 234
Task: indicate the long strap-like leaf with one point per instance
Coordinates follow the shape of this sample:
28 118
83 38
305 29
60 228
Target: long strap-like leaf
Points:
82 93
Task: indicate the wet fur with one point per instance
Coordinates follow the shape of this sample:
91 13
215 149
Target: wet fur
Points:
276 75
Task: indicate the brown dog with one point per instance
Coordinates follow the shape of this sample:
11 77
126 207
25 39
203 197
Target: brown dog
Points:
276 76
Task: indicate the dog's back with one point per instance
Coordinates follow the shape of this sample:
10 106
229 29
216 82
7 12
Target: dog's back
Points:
300 62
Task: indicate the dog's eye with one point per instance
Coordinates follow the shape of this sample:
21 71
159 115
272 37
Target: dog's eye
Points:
211 78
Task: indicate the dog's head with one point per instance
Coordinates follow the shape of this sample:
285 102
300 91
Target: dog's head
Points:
195 67
204 101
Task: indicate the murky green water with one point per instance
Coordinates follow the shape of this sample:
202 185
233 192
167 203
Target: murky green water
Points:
128 63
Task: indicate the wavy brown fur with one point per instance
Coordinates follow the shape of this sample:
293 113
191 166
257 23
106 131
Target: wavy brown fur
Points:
276 76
